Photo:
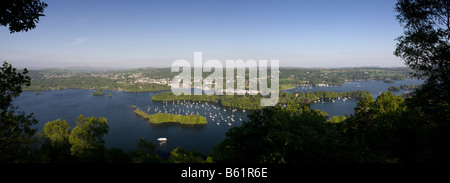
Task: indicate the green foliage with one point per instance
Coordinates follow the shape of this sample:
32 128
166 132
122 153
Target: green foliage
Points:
393 88
15 126
140 113
16 135
425 48
11 83
171 118
253 101
391 129
86 139
180 155
370 132
409 87
337 119
424 129
21 15
116 155
386 130
282 135
308 97
321 113
56 132
425 45
85 144
145 153
383 130
53 79
98 93
56 145
236 101
335 77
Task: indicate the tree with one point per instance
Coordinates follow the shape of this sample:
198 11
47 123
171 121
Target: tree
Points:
282 135
116 155
56 145
424 129
337 119
21 15
15 127
86 139
371 131
145 153
179 155
11 83
425 47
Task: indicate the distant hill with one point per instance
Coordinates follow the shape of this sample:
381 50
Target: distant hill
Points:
85 69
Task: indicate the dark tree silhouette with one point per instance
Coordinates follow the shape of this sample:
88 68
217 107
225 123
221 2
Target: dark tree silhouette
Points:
21 15
425 45
425 48
15 127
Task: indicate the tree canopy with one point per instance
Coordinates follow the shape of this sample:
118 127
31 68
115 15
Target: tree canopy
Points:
21 15
425 48
282 135
15 126
86 138
425 45
56 145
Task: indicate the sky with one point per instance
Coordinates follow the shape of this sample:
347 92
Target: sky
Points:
155 33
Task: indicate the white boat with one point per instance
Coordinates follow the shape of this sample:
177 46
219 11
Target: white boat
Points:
162 139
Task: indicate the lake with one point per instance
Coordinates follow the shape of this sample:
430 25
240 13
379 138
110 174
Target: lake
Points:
126 128
341 107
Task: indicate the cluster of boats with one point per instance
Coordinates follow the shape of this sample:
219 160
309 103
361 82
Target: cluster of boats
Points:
333 100
214 112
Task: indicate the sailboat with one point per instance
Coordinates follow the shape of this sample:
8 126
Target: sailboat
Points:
162 139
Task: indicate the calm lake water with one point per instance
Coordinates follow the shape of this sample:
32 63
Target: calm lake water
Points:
126 128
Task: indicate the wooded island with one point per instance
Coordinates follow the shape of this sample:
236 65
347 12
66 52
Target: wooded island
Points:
161 118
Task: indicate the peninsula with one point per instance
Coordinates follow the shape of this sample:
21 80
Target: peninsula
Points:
252 102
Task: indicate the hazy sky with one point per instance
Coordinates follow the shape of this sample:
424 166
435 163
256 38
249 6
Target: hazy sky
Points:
131 33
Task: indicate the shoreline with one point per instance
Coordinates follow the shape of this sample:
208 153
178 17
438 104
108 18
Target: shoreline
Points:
290 87
28 90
